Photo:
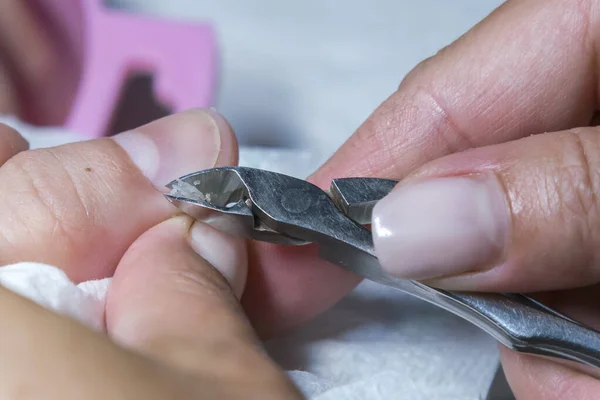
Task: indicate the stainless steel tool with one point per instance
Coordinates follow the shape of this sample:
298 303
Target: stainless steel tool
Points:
272 207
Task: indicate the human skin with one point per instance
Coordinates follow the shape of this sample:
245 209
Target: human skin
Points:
174 324
530 68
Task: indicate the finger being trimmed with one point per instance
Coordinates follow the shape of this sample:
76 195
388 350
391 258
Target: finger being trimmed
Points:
81 205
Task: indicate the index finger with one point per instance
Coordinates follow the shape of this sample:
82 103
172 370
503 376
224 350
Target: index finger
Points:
527 68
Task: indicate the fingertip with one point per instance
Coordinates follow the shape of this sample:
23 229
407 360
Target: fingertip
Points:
206 119
17 140
229 150
11 143
180 144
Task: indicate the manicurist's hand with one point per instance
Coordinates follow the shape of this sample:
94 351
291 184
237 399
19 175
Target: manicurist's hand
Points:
175 327
484 205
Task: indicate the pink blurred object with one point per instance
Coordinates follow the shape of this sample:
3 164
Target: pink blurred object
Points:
100 49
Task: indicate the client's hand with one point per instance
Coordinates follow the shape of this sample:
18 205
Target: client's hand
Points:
176 329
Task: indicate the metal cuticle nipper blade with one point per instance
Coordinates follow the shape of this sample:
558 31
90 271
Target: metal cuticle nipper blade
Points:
271 207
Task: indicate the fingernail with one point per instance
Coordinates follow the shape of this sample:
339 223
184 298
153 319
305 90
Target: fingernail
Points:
225 253
176 145
441 227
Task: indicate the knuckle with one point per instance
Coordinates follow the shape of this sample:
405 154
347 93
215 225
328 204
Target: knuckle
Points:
422 67
414 118
415 73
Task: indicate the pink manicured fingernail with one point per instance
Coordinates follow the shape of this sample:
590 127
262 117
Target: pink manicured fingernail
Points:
440 227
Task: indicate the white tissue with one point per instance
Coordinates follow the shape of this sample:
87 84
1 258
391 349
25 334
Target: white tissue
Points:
375 344
51 288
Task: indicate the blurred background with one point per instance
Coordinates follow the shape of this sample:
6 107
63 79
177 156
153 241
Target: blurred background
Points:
306 74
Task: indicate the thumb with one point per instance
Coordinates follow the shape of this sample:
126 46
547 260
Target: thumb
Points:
174 297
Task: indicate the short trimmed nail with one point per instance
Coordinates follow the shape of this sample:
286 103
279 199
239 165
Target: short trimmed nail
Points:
441 227
176 145
225 253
